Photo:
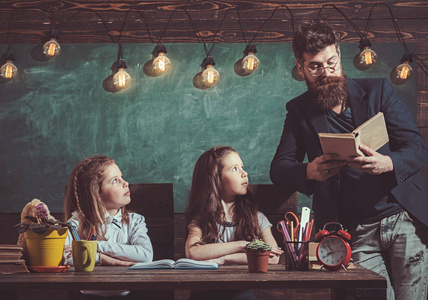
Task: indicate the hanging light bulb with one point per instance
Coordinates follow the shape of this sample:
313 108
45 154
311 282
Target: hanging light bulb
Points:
404 71
367 57
122 79
51 48
210 76
161 63
250 62
9 70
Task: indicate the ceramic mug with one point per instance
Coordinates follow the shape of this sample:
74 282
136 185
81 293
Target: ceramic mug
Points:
84 255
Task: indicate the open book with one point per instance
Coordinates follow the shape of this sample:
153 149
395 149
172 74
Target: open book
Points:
182 263
371 133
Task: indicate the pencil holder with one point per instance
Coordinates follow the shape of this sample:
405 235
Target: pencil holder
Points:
296 256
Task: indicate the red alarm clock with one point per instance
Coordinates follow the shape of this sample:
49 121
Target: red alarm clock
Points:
333 251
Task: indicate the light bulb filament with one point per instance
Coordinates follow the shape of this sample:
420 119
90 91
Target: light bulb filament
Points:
404 72
122 78
250 63
9 71
210 76
161 64
51 50
368 58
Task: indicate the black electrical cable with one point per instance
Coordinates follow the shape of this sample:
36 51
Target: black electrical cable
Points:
199 37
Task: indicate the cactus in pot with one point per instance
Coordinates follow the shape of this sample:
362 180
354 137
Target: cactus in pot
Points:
257 245
257 255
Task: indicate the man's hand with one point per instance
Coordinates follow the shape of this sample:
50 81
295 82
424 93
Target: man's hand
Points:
324 167
374 163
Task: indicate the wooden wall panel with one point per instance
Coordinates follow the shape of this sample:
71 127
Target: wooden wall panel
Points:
422 86
422 108
30 21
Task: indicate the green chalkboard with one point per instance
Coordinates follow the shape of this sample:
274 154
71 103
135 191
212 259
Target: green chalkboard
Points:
57 112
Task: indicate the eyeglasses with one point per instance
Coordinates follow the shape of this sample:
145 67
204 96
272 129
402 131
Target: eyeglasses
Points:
317 71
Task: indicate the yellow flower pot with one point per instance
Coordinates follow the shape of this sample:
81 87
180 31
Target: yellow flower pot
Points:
46 249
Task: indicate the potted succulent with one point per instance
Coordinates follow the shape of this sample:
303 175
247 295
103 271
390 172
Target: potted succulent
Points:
41 235
257 256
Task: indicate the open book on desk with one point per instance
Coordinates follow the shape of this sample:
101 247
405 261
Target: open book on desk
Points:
371 133
182 263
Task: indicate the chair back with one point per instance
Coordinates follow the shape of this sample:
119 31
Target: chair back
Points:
274 202
155 201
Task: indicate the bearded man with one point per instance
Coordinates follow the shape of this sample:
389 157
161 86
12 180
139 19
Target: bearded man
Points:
382 197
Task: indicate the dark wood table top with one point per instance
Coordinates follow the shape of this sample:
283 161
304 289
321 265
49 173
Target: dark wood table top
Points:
226 277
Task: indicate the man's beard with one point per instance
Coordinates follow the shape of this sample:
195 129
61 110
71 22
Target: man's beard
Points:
329 92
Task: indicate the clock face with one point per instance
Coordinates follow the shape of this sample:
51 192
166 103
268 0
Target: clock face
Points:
333 251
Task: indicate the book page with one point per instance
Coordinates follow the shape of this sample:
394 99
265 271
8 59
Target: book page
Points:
158 264
342 145
186 263
373 132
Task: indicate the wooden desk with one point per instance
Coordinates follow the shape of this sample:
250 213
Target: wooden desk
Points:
226 277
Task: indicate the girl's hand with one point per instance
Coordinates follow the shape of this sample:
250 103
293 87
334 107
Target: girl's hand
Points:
67 249
273 259
243 244
111 261
276 251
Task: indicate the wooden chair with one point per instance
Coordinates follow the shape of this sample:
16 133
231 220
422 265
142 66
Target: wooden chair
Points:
155 201
274 202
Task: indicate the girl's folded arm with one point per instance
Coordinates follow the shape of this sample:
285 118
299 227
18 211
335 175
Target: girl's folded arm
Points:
136 253
139 249
198 251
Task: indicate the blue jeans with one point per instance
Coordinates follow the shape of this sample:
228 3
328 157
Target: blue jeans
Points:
396 248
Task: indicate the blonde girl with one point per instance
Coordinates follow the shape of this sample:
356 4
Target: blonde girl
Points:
95 202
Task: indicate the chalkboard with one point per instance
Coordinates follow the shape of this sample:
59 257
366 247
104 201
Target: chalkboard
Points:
57 112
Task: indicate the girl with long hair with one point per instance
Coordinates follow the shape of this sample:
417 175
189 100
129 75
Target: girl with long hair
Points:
221 217
95 201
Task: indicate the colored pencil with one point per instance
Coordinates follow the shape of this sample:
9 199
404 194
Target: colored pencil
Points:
90 234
